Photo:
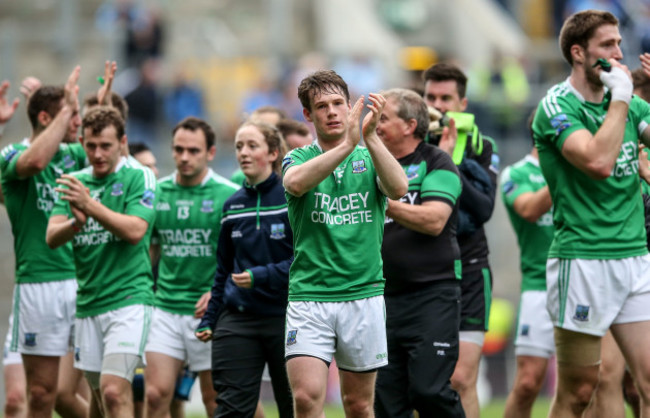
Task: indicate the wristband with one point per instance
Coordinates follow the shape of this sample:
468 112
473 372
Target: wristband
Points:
203 329
74 226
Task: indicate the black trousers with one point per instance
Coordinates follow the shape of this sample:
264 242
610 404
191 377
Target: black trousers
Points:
422 333
243 344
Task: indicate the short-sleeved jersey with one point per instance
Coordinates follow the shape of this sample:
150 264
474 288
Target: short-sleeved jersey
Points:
594 219
29 202
338 228
525 176
411 257
112 273
188 221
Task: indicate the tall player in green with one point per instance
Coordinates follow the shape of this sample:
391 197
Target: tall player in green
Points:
528 202
43 326
107 211
188 221
336 193
587 130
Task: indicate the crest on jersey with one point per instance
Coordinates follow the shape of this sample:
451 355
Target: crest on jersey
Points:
11 154
359 166
525 329
277 231
582 313
147 199
206 206
560 123
118 189
68 162
412 172
291 336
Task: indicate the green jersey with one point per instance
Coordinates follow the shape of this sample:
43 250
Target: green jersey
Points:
188 221
111 273
238 177
594 219
534 239
338 228
29 202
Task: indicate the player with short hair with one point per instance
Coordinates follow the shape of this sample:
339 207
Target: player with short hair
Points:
336 191
107 211
187 226
587 130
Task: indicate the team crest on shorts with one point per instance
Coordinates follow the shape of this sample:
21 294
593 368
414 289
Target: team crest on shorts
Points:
582 313
77 356
117 189
359 166
412 172
30 339
277 231
291 336
525 329
206 206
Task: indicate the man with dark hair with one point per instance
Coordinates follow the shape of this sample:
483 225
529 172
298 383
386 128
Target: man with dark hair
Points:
187 226
421 265
107 212
475 155
142 154
336 192
296 134
43 325
587 130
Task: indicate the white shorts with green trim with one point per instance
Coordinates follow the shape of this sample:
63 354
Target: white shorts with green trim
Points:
588 296
353 332
122 331
44 318
534 326
10 357
173 335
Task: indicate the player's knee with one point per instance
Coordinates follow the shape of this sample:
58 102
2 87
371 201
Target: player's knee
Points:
15 402
40 396
304 400
527 388
357 406
156 397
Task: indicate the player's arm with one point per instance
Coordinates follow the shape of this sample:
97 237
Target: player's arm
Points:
45 145
532 205
60 229
596 154
428 218
392 179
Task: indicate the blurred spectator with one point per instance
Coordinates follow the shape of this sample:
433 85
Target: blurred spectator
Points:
183 100
144 106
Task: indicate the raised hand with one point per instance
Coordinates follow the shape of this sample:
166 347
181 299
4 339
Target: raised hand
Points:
71 88
449 137
29 85
645 63
376 106
104 92
354 133
7 109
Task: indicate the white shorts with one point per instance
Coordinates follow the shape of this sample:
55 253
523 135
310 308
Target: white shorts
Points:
173 335
44 315
10 357
122 331
352 332
534 326
588 296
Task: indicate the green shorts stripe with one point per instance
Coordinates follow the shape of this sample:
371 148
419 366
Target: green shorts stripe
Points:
487 294
15 328
146 326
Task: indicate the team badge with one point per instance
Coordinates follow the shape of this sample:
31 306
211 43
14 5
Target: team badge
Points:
77 355
277 231
582 313
147 199
11 154
206 206
359 166
30 339
525 329
560 123
286 162
412 172
509 186
291 336
118 189
68 162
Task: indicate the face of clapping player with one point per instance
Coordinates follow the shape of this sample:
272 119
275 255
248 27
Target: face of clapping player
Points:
103 150
329 113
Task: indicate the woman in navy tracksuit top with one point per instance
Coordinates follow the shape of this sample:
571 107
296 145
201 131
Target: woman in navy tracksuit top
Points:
246 313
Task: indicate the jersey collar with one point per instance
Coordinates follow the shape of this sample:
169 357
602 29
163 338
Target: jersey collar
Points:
530 159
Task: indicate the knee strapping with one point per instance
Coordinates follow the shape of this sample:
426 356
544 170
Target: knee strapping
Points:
121 365
577 349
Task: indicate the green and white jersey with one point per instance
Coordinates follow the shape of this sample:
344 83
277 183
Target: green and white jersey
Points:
525 176
338 228
188 221
112 273
594 219
29 202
